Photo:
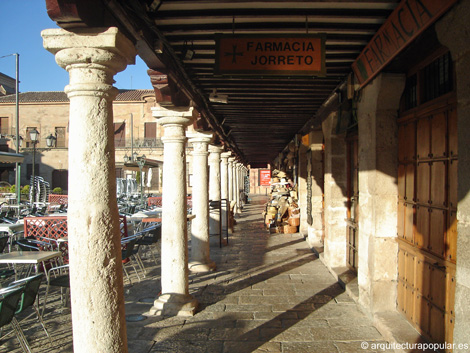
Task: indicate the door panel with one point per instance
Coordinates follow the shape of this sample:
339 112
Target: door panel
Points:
453 199
423 183
437 231
437 327
401 181
453 140
451 237
423 140
422 227
410 183
438 184
409 223
410 141
438 135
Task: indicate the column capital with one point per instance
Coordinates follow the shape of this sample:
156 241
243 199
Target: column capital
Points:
200 142
225 156
107 39
92 56
168 114
215 149
200 137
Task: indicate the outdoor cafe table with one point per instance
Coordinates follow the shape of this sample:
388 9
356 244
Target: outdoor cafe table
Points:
139 216
11 229
189 217
29 257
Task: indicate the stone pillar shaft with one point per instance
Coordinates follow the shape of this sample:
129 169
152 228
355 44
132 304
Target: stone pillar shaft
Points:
230 179
224 185
214 186
378 249
200 248
92 57
335 188
236 189
175 298
315 219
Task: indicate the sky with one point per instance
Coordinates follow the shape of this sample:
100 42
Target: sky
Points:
20 32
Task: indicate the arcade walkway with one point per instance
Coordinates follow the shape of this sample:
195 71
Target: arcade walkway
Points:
270 293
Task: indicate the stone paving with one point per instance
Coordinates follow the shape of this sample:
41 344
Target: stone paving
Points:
270 293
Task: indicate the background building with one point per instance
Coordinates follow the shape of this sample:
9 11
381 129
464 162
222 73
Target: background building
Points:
135 131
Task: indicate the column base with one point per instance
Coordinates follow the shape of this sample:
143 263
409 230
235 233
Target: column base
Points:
198 267
171 304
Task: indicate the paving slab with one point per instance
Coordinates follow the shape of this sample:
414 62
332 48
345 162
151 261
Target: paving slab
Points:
269 293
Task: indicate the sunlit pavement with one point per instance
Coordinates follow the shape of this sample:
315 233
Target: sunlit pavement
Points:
269 293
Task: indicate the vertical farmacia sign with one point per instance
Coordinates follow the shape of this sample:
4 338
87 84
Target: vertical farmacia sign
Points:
409 19
289 55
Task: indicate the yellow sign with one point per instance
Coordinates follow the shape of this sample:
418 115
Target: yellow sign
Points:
267 55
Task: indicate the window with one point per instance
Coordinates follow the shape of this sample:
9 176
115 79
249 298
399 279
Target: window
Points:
4 126
150 130
60 135
410 95
150 134
428 83
120 134
60 179
437 78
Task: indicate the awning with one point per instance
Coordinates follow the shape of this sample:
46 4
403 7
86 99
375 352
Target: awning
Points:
7 157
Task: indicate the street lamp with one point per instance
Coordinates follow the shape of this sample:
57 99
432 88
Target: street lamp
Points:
50 140
141 162
20 142
34 135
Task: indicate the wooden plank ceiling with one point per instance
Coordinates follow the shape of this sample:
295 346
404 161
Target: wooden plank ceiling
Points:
263 114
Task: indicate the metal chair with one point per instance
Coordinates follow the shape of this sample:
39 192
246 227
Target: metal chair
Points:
129 250
33 244
28 297
9 299
5 272
150 236
57 277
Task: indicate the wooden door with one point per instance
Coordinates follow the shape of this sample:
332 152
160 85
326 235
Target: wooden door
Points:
427 198
427 223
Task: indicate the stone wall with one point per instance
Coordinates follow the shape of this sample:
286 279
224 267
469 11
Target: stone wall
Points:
335 194
377 125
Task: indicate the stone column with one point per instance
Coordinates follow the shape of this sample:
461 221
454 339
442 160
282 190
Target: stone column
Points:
378 190
453 31
224 185
231 181
200 249
335 195
242 186
92 56
315 219
237 178
175 298
304 155
214 186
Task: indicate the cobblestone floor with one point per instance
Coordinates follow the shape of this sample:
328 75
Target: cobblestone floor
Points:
270 293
